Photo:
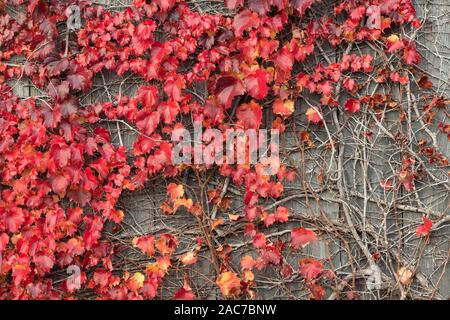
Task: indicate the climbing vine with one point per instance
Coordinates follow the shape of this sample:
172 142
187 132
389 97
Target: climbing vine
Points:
300 66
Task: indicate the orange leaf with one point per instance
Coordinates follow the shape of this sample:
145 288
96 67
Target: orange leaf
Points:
175 191
313 115
283 108
189 258
229 284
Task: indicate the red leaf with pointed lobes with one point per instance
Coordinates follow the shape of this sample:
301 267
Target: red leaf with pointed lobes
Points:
229 284
13 218
313 115
166 244
349 84
44 262
256 84
185 293
393 43
228 87
147 121
317 291
283 108
173 88
326 88
146 244
310 268
148 96
245 20
4 239
169 111
59 183
80 79
189 258
358 13
94 227
259 241
269 219
300 237
145 29
249 230
249 115
284 59
425 228
282 214
410 54
150 288
352 105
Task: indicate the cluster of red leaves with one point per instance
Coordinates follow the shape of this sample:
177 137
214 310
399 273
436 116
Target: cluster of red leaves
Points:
61 177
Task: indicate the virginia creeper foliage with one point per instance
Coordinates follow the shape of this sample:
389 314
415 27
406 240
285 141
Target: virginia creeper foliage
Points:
61 176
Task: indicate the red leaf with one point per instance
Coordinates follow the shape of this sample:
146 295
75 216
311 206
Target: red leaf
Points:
59 183
80 80
326 88
410 54
249 230
147 121
168 111
228 87
284 59
425 228
166 244
256 84
13 218
313 115
317 291
282 214
189 258
283 108
310 268
93 232
245 20
4 239
44 262
352 105
349 84
55 68
393 43
146 244
259 241
250 115
148 96
300 237
150 288
358 13
185 293
173 88
145 29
